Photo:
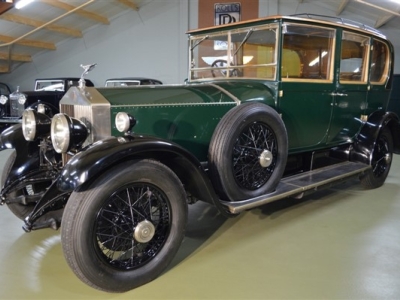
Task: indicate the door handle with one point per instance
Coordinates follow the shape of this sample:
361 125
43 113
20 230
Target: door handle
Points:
338 94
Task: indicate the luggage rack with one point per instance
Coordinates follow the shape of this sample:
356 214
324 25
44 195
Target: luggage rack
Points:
339 20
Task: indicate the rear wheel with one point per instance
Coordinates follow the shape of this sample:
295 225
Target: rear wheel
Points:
382 156
124 229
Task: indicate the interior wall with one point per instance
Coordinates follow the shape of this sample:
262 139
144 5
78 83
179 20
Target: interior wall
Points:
152 42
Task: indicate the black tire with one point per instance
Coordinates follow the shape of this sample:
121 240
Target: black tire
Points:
19 210
248 136
124 229
382 157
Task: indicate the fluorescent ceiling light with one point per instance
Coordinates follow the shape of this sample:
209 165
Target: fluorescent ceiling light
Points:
22 3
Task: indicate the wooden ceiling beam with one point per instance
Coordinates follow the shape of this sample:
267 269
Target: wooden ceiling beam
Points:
15 57
29 43
382 21
81 12
4 69
129 4
342 6
37 23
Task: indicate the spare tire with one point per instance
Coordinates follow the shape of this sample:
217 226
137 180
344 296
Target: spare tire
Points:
248 152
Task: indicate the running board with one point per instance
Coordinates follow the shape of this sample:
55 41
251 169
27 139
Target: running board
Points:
298 184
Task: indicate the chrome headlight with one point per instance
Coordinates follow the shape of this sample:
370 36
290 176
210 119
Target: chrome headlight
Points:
3 99
124 122
21 99
35 125
41 108
67 133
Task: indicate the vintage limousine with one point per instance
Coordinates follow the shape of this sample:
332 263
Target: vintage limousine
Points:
273 108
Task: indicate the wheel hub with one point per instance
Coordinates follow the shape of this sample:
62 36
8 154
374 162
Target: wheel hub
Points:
144 232
265 158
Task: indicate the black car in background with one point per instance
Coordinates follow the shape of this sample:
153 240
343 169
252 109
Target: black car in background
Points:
131 81
45 97
4 89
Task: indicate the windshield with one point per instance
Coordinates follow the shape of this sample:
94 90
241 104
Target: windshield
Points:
49 85
244 53
122 83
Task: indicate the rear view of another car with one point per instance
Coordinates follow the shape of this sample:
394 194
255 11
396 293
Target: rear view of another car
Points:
45 98
131 81
4 94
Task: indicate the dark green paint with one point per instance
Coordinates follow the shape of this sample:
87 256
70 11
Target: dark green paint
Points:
186 114
314 115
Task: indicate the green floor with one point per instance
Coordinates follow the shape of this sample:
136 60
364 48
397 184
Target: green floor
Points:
342 243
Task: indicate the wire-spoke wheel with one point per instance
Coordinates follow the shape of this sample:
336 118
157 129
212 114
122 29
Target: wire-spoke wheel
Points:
132 226
382 156
254 156
248 152
123 229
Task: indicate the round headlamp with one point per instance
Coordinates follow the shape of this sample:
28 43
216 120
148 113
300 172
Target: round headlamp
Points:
124 122
67 133
3 99
35 125
41 108
21 99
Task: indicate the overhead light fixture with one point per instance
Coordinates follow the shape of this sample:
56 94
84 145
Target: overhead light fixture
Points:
22 3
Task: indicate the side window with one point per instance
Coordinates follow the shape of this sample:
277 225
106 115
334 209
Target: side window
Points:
354 58
379 62
307 52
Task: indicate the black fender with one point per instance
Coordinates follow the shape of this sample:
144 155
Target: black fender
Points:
103 155
27 154
365 140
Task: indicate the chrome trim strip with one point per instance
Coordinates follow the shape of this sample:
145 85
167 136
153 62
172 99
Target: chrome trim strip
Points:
226 93
173 104
298 184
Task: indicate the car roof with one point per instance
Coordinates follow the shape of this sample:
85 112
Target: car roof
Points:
306 18
65 78
133 78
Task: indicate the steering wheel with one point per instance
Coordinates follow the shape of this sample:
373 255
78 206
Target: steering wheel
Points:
222 63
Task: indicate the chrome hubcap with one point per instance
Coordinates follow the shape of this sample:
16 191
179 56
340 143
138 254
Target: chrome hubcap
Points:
144 232
265 158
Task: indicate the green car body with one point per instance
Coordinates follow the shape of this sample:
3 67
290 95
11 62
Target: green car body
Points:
272 108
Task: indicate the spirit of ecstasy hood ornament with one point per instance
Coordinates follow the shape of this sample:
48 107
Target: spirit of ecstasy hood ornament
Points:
86 69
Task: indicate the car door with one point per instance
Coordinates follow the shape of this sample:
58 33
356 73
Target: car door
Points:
306 84
380 68
350 97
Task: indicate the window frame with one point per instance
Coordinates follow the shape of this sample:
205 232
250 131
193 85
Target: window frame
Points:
385 74
366 61
331 58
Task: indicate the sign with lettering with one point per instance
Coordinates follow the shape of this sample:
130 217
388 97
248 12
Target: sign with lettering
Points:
225 13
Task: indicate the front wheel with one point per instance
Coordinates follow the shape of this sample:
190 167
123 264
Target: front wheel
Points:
124 229
382 156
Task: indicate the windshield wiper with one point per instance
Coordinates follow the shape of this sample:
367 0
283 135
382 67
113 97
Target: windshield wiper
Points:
251 30
195 45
